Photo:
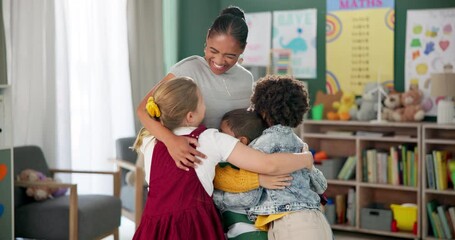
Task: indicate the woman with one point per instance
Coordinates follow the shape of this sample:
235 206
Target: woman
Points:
225 85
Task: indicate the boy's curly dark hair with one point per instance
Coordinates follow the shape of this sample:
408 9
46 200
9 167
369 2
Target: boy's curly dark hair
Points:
280 100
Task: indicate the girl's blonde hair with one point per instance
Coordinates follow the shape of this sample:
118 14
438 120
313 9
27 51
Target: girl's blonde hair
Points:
175 98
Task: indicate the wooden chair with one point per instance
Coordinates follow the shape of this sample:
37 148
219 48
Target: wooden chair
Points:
72 216
133 197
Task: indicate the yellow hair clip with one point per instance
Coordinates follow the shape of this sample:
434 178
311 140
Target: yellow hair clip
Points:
152 108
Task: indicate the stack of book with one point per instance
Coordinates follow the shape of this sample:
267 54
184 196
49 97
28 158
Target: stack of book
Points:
397 165
440 169
442 220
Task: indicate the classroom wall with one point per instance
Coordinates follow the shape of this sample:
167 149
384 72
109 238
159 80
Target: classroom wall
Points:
197 17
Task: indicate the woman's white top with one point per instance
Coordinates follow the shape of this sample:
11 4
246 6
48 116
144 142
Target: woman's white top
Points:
215 145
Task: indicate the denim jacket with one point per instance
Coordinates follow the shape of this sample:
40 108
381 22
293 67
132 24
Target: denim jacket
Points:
301 194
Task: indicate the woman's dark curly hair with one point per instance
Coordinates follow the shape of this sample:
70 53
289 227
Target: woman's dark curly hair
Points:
280 100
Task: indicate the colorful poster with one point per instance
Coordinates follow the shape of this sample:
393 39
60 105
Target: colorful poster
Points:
360 44
296 30
430 44
257 51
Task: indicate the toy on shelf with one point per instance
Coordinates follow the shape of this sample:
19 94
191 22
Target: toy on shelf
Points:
392 102
345 108
370 102
412 110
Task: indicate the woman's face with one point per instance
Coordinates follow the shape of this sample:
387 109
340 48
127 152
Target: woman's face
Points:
222 52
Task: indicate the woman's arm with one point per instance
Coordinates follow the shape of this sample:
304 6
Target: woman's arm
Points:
272 164
179 147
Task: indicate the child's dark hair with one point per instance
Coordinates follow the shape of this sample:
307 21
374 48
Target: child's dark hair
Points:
231 21
280 100
244 122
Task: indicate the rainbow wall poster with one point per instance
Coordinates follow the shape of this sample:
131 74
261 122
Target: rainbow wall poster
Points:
359 44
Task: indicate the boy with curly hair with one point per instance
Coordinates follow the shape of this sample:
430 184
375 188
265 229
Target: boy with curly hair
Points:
292 212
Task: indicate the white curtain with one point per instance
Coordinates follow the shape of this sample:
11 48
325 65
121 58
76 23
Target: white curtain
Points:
145 33
71 86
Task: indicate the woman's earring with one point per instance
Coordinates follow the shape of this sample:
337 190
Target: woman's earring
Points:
240 60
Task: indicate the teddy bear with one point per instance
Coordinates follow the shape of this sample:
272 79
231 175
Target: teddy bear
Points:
345 108
391 103
39 193
368 103
411 111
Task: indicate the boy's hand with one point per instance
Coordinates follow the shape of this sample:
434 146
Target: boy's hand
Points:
274 182
183 153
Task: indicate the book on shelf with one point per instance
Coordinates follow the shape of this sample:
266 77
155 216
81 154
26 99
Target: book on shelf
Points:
340 208
395 166
430 171
348 169
431 208
350 210
451 172
451 211
440 169
372 164
450 222
438 224
444 223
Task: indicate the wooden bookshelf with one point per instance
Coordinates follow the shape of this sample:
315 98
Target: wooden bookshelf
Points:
335 139
435 137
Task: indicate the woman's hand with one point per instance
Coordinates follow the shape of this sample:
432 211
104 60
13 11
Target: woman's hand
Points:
183 153
274 182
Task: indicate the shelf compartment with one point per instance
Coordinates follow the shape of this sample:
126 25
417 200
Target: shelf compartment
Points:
333 147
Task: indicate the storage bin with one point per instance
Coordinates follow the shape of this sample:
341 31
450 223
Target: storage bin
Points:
376 217
405 215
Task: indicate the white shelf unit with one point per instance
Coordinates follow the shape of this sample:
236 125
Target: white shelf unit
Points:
435 137
321 135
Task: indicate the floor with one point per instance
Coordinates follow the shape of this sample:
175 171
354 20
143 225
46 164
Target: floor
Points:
127 232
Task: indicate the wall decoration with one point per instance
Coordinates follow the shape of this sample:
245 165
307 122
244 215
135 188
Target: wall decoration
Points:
296 30
359 44
430 44
259 39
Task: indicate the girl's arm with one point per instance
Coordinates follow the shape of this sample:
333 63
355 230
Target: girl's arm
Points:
230 179
179 147
272 164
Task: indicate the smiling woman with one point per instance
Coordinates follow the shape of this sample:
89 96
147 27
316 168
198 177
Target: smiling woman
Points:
225 85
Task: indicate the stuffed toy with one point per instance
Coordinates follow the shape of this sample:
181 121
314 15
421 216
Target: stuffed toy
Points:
345 108
368 104
412 110
392 102
327 101
39 193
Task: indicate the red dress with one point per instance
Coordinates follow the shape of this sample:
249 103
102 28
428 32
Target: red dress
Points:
177 205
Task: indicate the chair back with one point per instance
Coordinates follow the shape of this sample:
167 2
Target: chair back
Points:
27 157
123 150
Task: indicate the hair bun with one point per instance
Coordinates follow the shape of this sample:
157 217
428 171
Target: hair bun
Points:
234 10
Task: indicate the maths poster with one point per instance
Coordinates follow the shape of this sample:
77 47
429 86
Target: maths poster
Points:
296 30
359 44
257 51
430 44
